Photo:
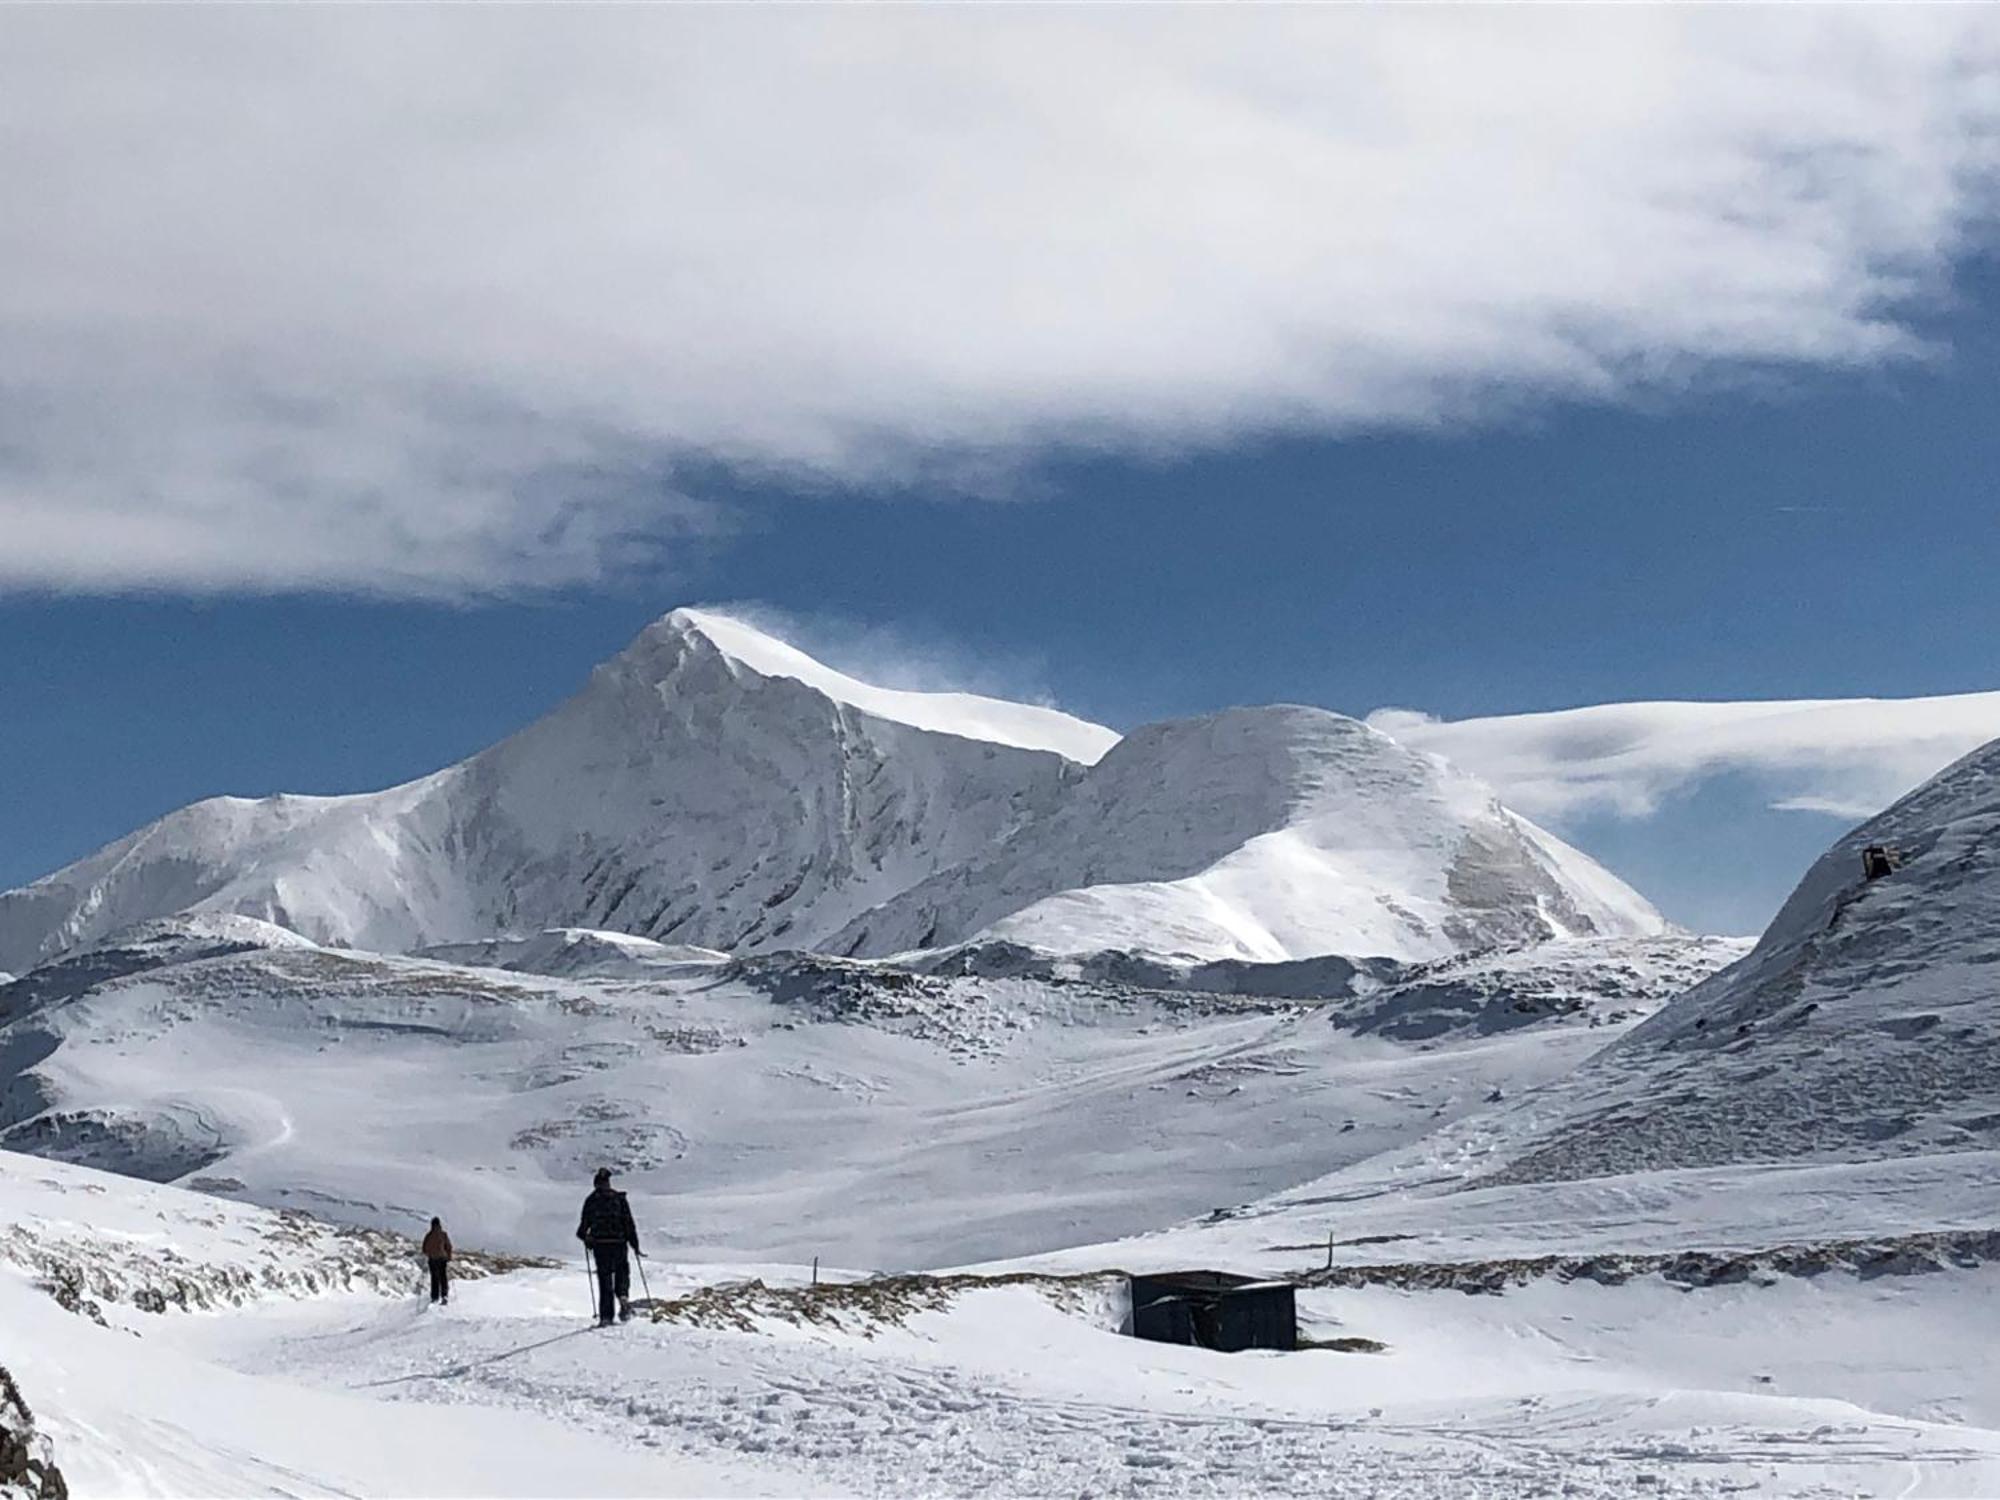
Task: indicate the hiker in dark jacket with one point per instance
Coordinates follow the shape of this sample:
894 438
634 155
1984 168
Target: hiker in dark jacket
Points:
437 1250
606 1228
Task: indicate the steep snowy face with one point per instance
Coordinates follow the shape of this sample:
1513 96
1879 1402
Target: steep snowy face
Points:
707 787
1265 834
689 797
1865 1023
968 715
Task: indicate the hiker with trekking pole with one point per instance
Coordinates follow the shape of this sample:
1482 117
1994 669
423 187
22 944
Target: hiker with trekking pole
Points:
437 1254
607 1231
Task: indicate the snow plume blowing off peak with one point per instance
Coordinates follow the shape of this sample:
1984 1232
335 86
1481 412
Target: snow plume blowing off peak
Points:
1021 725
715 787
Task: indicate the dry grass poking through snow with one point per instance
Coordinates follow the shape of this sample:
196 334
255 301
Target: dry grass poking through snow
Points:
864 1308
1895 1255
298 1256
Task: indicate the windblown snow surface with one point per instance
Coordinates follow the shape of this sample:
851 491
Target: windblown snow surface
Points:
715 788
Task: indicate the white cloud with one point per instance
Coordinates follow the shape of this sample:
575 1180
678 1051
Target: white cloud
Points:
1844 758
414 299
1848 811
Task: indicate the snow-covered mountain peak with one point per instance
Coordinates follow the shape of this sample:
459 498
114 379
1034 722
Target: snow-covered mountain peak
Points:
693 643
1266 834
741 799
713 786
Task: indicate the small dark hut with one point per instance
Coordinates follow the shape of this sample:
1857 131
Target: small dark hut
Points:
1215 1310
1878 860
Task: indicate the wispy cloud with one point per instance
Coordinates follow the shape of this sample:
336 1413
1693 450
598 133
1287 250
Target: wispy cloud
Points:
1847 810
1840 758
437 300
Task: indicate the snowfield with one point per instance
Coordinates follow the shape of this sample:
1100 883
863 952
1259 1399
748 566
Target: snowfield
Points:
747 1381
787 1105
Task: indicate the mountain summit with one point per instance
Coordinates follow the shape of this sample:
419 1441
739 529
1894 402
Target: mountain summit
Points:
714 786
710 785
1267 834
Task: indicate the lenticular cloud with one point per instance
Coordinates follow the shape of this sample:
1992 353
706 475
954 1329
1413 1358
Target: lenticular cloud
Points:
440 301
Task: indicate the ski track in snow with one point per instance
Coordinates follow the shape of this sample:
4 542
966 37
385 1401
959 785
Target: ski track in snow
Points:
1003 1395
1832 1385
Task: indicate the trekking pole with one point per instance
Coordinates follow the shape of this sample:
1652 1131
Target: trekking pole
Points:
590 1280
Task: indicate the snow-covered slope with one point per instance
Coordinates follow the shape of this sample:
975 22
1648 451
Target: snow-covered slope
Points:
1864 1024
788 1103
709 786
314 1368
1265 834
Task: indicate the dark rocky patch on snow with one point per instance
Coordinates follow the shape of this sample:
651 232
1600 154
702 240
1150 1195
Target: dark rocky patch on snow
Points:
27 1462
1595 983
155 1145
1897 1255
865 1307
138 949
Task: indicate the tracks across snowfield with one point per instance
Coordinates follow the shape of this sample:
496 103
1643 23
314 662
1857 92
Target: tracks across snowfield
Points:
1012 1382
277 1355
1019 1388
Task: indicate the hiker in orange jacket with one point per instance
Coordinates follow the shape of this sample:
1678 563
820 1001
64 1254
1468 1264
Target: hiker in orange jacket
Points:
437 1250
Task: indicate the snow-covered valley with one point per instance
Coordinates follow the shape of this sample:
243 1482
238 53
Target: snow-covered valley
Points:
932 1018
785 1106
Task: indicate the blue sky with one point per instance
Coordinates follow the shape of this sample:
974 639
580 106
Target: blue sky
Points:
1606 355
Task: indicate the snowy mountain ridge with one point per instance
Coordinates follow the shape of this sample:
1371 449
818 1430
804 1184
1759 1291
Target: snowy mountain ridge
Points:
699 790
712 787
1266 834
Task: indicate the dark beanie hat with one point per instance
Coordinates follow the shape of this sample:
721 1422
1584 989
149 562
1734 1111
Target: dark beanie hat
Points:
603 1176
